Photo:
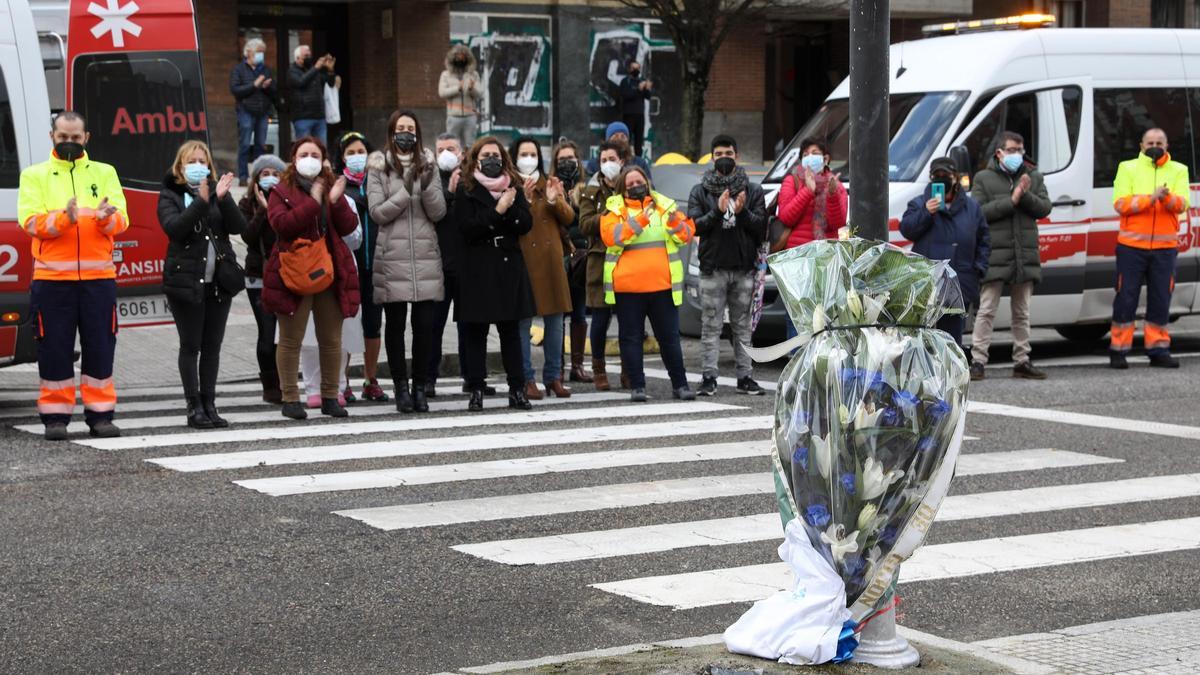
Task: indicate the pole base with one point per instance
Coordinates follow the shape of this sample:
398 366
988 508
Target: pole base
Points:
880 646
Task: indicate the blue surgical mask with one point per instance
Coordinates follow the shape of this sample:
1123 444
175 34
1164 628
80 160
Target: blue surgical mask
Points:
1012 163
258 58
356 163
195 173
268 182
814 163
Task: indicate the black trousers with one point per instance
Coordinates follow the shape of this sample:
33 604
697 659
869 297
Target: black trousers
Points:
510 352
423 315
201 328
637 131
441 316
264 348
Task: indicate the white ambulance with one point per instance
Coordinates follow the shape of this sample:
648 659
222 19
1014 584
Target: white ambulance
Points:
1081 98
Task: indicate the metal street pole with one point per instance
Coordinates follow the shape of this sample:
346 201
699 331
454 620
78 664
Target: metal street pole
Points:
870 36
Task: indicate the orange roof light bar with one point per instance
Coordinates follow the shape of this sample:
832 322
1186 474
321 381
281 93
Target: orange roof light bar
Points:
980 25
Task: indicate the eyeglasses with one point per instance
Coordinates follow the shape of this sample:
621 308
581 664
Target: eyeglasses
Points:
1014 151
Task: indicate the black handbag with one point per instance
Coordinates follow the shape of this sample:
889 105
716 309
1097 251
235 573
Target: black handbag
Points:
228 275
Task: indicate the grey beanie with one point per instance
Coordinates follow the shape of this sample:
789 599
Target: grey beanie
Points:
266 162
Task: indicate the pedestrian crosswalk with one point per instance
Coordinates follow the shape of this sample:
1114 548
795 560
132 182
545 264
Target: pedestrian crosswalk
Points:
562 481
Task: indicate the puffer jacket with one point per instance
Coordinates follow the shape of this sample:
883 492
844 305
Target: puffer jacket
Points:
189 229
408 262
958 234
306 91
1015 257
258 235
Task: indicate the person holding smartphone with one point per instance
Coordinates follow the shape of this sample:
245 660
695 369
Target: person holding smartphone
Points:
946 224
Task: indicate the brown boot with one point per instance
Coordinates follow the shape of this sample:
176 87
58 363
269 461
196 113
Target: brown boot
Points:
599 377
578 342
532 392
556 387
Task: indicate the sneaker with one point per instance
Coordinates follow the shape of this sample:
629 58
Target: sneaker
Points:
348 395
1117 360
105 429
1163 361
747 385
638 395
55 431
977 371
1025 370
373 392
313 401
708 386
684 393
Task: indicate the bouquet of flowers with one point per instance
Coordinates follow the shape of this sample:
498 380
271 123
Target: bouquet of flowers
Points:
868 421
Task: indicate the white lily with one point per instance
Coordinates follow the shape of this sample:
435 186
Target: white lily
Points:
884 347
822 454
843 415
839 542
875 481
866 417
854 305
866 515
873 307
818 320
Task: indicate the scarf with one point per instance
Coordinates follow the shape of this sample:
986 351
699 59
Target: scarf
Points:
820 200
716 183
354 178
496 186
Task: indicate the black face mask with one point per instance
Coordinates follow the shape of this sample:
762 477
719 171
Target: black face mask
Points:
634 73
460 63
947 183
638 192
68 151
405 141
491 167
725 165
307 62
567 170
1155 153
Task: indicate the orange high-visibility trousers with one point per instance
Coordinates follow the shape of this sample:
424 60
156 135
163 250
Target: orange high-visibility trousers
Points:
60 311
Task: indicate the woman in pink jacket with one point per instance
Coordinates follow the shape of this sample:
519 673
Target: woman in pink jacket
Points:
812 200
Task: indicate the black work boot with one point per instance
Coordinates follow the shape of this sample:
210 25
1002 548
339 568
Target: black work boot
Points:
105 429
1118 361
55 431
1163 361
196 417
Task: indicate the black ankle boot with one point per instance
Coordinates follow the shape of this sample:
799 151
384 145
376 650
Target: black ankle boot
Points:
419 402
404 401
196 417
331 407
518 399
476 402
210 409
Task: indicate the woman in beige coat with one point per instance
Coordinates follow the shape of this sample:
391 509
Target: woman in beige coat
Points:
462 89
405 196
543 248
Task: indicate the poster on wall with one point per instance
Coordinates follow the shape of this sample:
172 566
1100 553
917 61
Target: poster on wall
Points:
613 45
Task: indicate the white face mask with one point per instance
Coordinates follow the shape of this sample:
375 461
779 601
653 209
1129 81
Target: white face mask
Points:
308 167
447 161
527 165
610 169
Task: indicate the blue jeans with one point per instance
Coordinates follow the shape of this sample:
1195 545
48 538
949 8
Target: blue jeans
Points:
632 311
252 133
552 346
302 128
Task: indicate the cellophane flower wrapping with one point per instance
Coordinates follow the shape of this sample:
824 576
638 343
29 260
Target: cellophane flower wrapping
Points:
868 407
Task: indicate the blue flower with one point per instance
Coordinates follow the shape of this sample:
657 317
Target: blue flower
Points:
817 516
853 565
906 400
925 444
851 377
848 483
891 417
800 456
938 410
875 383
888 535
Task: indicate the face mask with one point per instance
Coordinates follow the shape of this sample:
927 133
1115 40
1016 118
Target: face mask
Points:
947 183
1155 154
68 151
567 170
610 169
725 165
528 165
634 73
447 161
258 58
491 167
356 163
814 163
308 167
460 63
267 182
195 172
307 62
637 192
405 141
1012 163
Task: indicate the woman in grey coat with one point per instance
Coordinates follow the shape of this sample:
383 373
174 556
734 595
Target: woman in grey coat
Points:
405 197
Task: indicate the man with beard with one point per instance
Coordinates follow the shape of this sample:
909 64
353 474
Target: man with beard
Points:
731 222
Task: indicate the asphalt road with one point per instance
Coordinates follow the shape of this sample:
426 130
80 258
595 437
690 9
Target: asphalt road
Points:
109 562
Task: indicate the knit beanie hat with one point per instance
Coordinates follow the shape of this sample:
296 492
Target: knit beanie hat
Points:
267 162
616 128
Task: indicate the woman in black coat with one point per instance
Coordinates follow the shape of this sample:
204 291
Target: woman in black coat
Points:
491 212
201 274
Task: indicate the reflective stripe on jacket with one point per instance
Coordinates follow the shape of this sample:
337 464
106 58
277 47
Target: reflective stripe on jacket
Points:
1147 223
643 247
62 250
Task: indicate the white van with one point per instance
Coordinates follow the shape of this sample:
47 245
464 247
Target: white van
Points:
1082 99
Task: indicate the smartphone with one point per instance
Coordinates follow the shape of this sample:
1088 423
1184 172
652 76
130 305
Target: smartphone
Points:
939 193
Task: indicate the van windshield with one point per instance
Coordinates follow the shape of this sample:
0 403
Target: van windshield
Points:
917 122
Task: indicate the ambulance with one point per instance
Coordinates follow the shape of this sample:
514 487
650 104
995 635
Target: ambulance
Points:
1081 98
133 69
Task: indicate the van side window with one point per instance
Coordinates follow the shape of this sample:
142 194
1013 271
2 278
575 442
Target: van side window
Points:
1048 120
1123 115
10 160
